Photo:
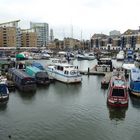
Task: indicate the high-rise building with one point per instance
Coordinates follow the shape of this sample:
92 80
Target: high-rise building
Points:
51 35
42 30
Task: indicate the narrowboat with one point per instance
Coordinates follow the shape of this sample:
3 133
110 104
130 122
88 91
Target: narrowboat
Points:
134 82
22 80
41 67
41 77
64 72
4 92
117 93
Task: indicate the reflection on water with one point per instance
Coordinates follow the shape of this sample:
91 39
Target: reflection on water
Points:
68 112
26 95
3 106
66 89
117 113
135 101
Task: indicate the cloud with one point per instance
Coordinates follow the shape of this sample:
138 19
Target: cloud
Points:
88 15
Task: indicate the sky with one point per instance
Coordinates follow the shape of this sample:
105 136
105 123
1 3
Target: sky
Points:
74 18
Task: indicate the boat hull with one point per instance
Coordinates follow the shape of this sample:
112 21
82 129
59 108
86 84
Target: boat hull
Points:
64 78
135 93
4 99
117 104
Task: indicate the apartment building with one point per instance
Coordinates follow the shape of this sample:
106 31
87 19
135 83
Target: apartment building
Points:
28 38
130 39
42 30
8 37
10 34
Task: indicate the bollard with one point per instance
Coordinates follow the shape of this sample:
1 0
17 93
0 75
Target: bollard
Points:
88 70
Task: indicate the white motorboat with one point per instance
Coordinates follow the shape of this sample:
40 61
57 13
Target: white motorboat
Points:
64 72
87 56
120 56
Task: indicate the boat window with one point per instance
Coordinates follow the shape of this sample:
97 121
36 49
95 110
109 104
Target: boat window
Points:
61 68
66 72
28 81
118 92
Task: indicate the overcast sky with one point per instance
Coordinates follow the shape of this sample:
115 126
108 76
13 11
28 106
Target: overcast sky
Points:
85 17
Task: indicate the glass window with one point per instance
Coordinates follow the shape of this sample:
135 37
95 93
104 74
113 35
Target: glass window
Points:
118 92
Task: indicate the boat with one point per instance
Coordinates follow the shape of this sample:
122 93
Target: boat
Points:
5 65
104 65
54 61
120 56
41 67
41 76
22 80
89 56
64 72
117 94
38 65
4 93
128 63
105 81
137 60
134 82
45 56
86 56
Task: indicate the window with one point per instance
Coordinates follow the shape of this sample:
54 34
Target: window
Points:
118 92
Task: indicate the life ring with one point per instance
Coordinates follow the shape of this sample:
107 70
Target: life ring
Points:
72 72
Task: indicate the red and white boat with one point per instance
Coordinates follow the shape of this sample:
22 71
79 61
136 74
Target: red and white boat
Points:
118 93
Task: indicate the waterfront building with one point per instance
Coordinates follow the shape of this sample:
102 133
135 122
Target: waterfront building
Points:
71 43
105 42
28 38
130 39
10 34
42 30
98 40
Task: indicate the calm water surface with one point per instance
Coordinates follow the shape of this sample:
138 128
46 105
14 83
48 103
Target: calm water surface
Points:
69 112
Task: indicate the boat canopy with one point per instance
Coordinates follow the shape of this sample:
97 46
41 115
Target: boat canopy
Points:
38 65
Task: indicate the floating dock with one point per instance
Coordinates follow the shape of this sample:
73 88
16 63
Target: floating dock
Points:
92 71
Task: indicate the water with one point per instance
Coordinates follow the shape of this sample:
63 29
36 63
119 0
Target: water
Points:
68 112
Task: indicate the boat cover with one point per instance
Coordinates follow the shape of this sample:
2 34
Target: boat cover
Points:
3 89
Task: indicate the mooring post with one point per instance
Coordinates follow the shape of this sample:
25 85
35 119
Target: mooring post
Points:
88 70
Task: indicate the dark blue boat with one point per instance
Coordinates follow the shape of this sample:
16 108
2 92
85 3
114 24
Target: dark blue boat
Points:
22 80
134 81
4 93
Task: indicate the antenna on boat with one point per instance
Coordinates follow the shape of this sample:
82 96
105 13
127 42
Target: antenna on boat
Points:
81 35
71 31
